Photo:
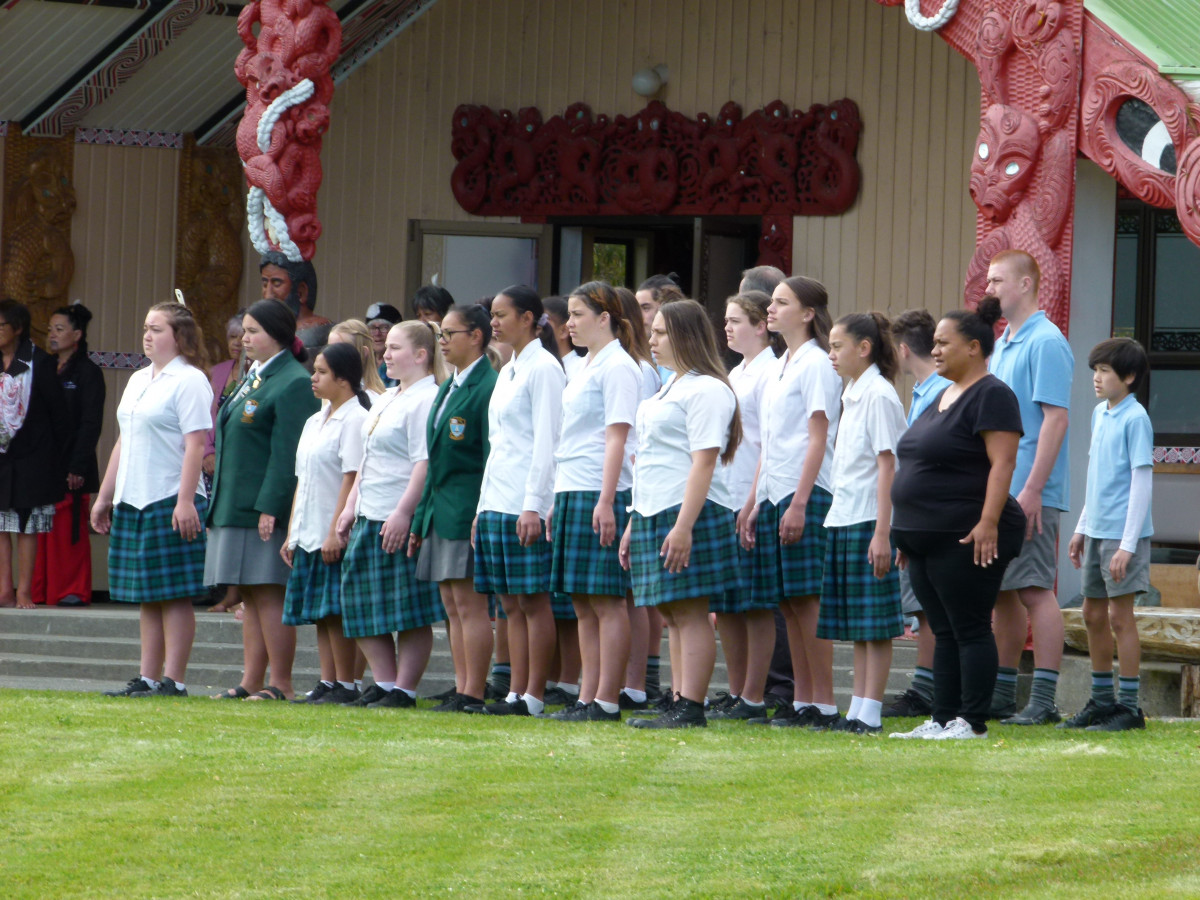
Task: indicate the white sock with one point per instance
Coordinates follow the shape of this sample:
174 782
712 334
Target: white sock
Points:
870 712
512 697
386 685
855 705
607 707
551 685
635 695
826 709
150 682
348 685
759 705
798 705
533 703
181 685
328 684
411 694
358 683
571 690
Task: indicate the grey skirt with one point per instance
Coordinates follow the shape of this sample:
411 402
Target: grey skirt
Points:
240 556
443 560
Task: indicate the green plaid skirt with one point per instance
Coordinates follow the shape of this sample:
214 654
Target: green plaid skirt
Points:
736 598
562 607
314 589
712 565
380 591
855 605
794 570
148 562
502 565
579 565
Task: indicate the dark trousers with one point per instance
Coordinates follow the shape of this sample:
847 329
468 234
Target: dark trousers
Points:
779 676
958 598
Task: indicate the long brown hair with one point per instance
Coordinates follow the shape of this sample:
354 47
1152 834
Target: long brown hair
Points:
639 345
189 339
811 293
694 347
600 298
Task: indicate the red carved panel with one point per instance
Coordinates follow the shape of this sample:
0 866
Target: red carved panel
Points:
774 162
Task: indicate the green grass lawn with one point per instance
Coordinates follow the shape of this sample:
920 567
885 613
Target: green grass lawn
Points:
126 798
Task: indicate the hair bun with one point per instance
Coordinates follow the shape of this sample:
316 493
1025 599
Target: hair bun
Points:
989 310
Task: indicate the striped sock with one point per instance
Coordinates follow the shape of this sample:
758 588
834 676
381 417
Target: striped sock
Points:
501 677
1045 686
922 683
1102 688
1005 693
1128 691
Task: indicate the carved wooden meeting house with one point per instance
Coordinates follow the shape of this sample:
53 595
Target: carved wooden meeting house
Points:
887 147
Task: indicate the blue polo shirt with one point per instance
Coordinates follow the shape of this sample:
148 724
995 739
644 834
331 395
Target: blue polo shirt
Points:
924 393
1037 364
1122 440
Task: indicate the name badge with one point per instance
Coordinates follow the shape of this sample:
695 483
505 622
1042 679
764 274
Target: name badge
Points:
458 428
249 410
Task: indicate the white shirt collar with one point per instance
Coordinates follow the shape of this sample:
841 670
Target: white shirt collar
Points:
256 367
460 377
854 390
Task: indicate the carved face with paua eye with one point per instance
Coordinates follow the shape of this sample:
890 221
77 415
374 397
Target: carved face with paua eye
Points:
1005 155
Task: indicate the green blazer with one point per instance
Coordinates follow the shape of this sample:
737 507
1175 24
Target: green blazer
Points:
257 436
458 450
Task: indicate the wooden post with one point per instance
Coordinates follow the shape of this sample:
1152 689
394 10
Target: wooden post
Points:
1189 691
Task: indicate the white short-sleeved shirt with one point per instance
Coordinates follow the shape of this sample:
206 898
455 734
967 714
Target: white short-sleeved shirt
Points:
872 422
330 446
154 415
524 420
573 364
692 412
393 439
748 382
605 393
792 395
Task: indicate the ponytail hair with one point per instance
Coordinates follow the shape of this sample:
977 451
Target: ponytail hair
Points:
345 364
811 294
874 328
600 298
526 300
978 324
694 346
423 336
640 342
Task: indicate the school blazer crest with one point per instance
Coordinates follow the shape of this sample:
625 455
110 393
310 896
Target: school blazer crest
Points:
257 436
458 450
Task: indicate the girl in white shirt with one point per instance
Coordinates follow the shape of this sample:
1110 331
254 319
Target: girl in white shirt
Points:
327 460
380 591
784 520
591 497
745 333
681 554
860 599
156 540
512 555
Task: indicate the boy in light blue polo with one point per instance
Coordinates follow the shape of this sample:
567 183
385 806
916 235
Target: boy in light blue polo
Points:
1112 540
1034 359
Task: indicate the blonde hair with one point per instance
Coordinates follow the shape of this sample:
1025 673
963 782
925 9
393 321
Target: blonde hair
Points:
356 333
423 336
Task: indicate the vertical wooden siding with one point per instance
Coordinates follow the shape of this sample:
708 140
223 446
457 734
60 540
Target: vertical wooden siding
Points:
905 243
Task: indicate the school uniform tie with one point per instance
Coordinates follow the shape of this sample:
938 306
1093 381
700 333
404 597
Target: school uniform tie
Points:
437 420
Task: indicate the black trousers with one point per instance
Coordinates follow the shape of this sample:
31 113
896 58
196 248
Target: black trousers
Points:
958 598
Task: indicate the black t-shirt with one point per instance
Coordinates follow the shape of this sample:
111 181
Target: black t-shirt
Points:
941 479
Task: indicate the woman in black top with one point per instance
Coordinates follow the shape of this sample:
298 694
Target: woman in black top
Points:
954 524
63 573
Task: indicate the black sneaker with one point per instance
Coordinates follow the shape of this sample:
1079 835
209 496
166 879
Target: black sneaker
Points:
821 722
373 694
461 703
449 694
597 713
135 685
314 696
739 710
517 707
803 718
723 700
907 705
1092 714
858 726
556 696
166 688
626 702
683 714
1034 715
664 703
576 713
393 699
338 695
781 713
843 725
1000 713
497 691
1122 718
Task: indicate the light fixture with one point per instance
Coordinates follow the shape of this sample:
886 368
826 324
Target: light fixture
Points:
649 81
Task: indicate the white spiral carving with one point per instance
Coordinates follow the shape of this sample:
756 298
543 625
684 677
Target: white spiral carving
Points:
912 9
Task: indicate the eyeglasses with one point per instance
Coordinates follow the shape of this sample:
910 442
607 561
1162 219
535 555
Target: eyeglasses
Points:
446 333
382 327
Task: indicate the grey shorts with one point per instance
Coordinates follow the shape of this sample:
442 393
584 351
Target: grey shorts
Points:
1097 579
908 597
1037 565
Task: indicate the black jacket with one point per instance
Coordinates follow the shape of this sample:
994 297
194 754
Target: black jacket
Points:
33 472
83 386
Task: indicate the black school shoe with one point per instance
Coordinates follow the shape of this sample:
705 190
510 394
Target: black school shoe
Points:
136 685
373 694
739 710
908 705
683 714
449 694
316 694
1122 718
624 701
597 713
822 722
723 700
1092 714
1034 715
166 688
556 696
518 707
393 699
858 726
576 713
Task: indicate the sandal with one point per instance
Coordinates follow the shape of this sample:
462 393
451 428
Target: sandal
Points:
270 692
234 693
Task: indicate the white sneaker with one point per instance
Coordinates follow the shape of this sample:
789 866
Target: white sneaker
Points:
958 730
927 730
